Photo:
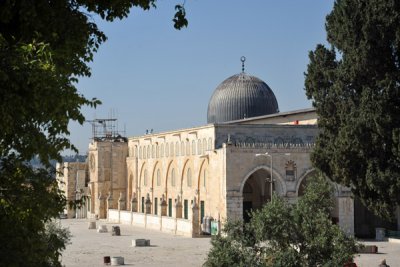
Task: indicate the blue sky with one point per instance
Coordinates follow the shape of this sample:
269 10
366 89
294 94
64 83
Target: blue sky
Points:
154 77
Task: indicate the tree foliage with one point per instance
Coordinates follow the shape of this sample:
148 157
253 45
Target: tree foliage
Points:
283 234
355 87
45 46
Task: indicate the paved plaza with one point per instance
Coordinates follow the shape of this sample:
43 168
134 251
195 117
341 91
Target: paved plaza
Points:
89 247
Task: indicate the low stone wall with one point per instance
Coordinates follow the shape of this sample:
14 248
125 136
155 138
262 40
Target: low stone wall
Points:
125 217
149 221
168 225
153 222
183 226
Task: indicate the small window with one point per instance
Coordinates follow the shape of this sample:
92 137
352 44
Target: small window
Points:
166 150
162 150
155 206
170 207
157 151
189 177
135 152
187 148
186 209
148 151
199 147
171 149
193 147
182 148
209 144
145 178
204 146
173 177
177 149
140 153
153 151
204 178
158 177
290 168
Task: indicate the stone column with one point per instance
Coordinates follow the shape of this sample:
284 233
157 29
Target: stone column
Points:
346 214
102 213
163 206
109 203
195 219
121 202
234 205
134 203
178 208
147 208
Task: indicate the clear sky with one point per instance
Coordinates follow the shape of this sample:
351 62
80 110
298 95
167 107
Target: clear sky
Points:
154 77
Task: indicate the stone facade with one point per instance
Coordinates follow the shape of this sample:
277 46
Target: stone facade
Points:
72 179
217 170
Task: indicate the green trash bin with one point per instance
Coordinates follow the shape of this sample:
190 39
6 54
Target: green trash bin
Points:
214 227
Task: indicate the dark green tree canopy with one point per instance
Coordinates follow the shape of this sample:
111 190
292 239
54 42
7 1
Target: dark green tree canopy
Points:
45 46
355 88
283 234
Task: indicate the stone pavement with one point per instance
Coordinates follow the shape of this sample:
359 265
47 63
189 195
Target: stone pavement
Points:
386 250
89 247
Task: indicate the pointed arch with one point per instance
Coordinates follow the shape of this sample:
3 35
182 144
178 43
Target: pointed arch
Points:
142 168
275 174
153 173
182 174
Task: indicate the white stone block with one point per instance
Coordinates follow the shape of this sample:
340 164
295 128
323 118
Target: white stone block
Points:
102 229
115 261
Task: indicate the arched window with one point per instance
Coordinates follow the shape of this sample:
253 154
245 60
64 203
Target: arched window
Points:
145 178
199 152
158 177
153 151
209 143
148 151
171 149
182 148
162 150
166 150
173 177
157 151
177 149
140 153
204 178
187 148
135 152
189 177
204 145
193 147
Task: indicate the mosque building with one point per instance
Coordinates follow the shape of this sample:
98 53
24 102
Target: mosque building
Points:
176 180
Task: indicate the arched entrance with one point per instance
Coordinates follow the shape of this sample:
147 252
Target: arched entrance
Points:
256 192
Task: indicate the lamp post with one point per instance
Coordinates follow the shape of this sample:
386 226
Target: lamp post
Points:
272 180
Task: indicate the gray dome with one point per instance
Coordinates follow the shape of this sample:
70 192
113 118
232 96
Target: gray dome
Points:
241 96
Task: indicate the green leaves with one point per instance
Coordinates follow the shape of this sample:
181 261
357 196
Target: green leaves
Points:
357 100
45 46
179 19
283 234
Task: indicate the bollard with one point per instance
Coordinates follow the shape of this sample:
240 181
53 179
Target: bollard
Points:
92 225
107 260
116 231
102 229
115 261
